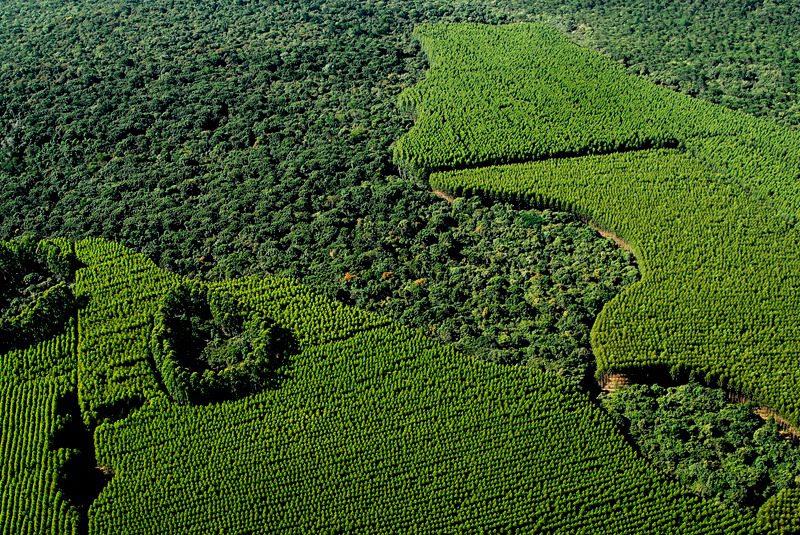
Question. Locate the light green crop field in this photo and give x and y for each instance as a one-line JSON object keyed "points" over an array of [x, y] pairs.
{"points": [[373, 427]]}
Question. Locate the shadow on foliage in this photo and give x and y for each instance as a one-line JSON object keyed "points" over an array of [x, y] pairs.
{"points": [[80, 479], [119, 409]]}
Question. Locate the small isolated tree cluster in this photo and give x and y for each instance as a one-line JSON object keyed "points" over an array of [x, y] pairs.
{"points": [[206, 350], [718, 448]]}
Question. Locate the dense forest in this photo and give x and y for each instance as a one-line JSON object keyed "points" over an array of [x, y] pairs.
{"points": [[714, 446], [256, 138], [266, 150]]}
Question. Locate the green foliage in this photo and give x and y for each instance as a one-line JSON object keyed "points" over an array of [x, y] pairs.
{"points": [[501, 284], [782, 511], [494, 97], [122, 294], [206, 143], [233, 152], [375, 428], [181, 160], [31, 383], [36, 297], [205, 350], [713, 224], [738, 53], [717, 448]]}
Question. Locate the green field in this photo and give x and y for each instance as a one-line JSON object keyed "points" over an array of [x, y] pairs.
{"points": [[372, 427]]}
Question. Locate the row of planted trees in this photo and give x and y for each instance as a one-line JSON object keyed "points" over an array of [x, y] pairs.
{"points": [[32, 458], [379, 428], [372, 426]]}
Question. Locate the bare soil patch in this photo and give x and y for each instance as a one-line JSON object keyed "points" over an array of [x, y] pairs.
{"points": [[613, 381], [443, 195], [622, 244]]}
